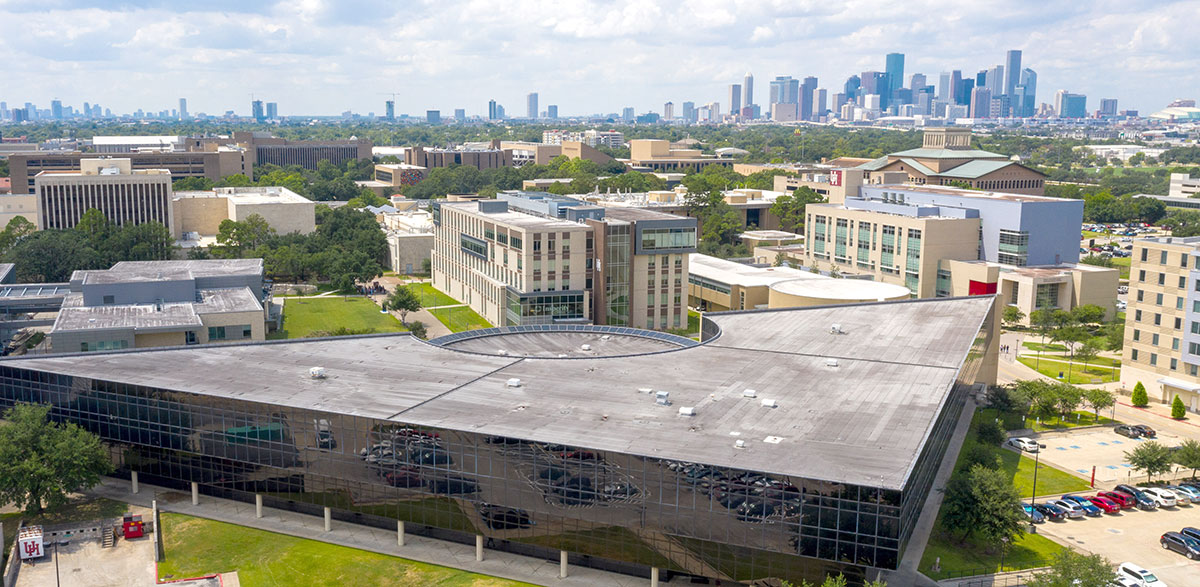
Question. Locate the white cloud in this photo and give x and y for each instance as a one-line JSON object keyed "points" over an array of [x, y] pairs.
{"points": [[326, 56]]}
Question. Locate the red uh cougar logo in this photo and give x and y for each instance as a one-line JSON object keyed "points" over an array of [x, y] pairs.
{"points": [[33, 548]]}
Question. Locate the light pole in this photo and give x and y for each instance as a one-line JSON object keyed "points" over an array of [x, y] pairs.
{"points": [[1033, 498]]}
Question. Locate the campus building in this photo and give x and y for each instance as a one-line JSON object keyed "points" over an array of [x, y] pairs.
{"points": [[531, 437], [591, 137], [265, 148], [221, 161], [661, 155], [138, 304], [112, 186], [535, 258], [1162, 320], [198, 215], [719, 285], [946, 158]]}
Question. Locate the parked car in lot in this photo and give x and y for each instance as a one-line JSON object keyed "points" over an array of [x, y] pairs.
{"points": [[1146, 431], [1050, 511], [1127, 430], [1073, 509], [1143, 577], [1190, 531], [1185, 493], [1023, 444], [1163, 497], [1126, 501], [1185, 545], [1107, 505], [1120, 581], [1088, 508], [1034, 516], [1144, 501], [404, 477]]}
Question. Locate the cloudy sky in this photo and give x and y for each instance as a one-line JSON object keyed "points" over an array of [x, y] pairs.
{"points": [[327, 56]]}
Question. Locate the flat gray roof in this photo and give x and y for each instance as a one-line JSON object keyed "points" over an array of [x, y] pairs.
{"points": [[74, 316], [561, 344], [863, 421]]}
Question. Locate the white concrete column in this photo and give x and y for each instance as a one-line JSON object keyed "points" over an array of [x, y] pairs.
{"points": [[399, 532], [653, 576], [478, 548], [258, 505], [562, 564], [328, 519], [133, 478], [195, 493]]}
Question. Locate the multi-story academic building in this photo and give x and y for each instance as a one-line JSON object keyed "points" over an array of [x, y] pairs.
{"points": [[220, 162], [112, 186], [946, 158], [534, 258]]}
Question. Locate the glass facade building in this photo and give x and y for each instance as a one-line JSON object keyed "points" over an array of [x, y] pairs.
{"points": [[625, 511]]}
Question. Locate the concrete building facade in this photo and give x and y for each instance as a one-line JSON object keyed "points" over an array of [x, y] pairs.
{"points": [[946, 158], [220, 162], [199, 214], [112, 186]]}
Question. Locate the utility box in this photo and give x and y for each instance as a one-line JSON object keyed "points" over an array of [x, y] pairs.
{"points": [[132, 526], [29, 542]]}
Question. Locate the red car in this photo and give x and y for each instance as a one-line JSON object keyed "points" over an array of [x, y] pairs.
{"points": [[1125, 500], [1109, 506]]}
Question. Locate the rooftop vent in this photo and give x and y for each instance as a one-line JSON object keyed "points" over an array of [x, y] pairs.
{"points": [[513, 382], [605, 337], [836, 329], [749, 393], [831, 362], [501, 352], [739, 444], [645, 390], [770, 403], [317, 372], [662, 398], [687, 411], [585, 347], [773, 439]]}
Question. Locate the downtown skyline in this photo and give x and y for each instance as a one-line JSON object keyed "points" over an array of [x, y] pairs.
{"points": [[323, 59]]}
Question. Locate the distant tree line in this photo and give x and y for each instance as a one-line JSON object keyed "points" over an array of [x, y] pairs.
{"points": [[95, 243]]}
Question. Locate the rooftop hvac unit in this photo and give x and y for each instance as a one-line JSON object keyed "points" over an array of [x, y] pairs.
{"points": [[645, 390], [770, 403], [585, 347], [836, 329], [662, 398], [501, 352], [317, 372], [749, 393], [513, 382], [739, 444], [831, 362], [687, 411], [605, 337]]}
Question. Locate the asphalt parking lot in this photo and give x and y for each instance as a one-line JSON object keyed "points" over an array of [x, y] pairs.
{"points": [[1132, 536], [1103, 449]]}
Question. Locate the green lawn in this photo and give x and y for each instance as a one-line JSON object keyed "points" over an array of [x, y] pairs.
{"points": [[307, 317], [1076, 419], [431, 296], [460, 318], [693, 326], [77, 510], [1051, 481], [1122, 263], [196, 547], [1076, 375], [959, 559], [1046, 348]]}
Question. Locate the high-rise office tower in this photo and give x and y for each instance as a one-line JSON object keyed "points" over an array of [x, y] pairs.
{"points": [[785, 90], [500, 112], [627, 114], [389, 109], [1012, 72], [995, 80], [735, 99], [820, 103], [272, 110], [492, 110], [981, 78], [917, 83], [852, 88], [870, 82], [981, 103], [183, 113], [56, 109], [964, 89], [894, 69], [748, 90], [460, 114], [956, 80], [1108, 107], [669, 111], [256, 110], [806, 97], [552, 111], [945, 91], [531, 105], [689, 111], [1029, 95], [433, 116]]}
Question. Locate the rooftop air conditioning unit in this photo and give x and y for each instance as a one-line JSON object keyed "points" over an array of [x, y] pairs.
{"points": [[513, 382], [317, 372], [662, 398], [739, 444], [836, 329], [831, 362], [501, 352], [687, 411], [585, 347], [749, 393], [770, 403]]}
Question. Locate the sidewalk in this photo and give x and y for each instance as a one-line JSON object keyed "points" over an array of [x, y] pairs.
{"points": [[417, 548]]}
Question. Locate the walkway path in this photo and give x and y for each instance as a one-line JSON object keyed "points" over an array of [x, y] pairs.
{"points": [[418, 548]]}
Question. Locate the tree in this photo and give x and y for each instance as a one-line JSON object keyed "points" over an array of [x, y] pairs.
{"points": [[1139, 398], [982, 502], [1151, 457], [1100, 399], [1067, 397], [1086, 353], [831, 581], [790, 207], [1114, 335], [1178, 410], [1044, 321], [237, 237], [43, 461], [989, 433], [403, 300], [1188, 455], [1088, 314], [417, 328], [16, 228], [1012, 316], [1073, 569]]}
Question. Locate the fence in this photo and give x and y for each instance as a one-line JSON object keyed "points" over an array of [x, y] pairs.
{"points": [[1009, 567], [1011, 579]]}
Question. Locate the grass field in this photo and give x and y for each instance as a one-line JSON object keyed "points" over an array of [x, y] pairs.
{"points": [[1094, 373], [460, 318], [1020, 468], [82, 510], [304, 317], [196, 547], [1122, 264], [1076, 419], [431, 296]]}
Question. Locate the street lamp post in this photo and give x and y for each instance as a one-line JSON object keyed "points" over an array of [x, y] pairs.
{"points": [[1033, 498]]}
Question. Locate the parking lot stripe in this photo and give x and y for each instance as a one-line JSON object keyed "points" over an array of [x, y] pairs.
{"points": [[1073, 446]]}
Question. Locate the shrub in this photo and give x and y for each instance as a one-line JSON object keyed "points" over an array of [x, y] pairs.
{"points": [[1178, 410], [978, 454], [1140, 398], [989, 433]]}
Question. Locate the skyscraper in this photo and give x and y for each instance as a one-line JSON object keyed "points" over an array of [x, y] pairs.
{"points": [[748, 90], [806, 97], [460, 114], [627, 114], [995, 80], [552, 111], [689, 111], [492, 110], [56, 109], [1029, 93], [894, 68], [272, 110], [785, 90], [1068, 105], [735, 99], [433, 116], [820, 103], [183, 113], [389, 109], [1108, 107], [256, 110], [956, 91], [981, 103], [918, 83], [852, 88], [1012, 72], [945, 90], [531, 105], [669, 111]]}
